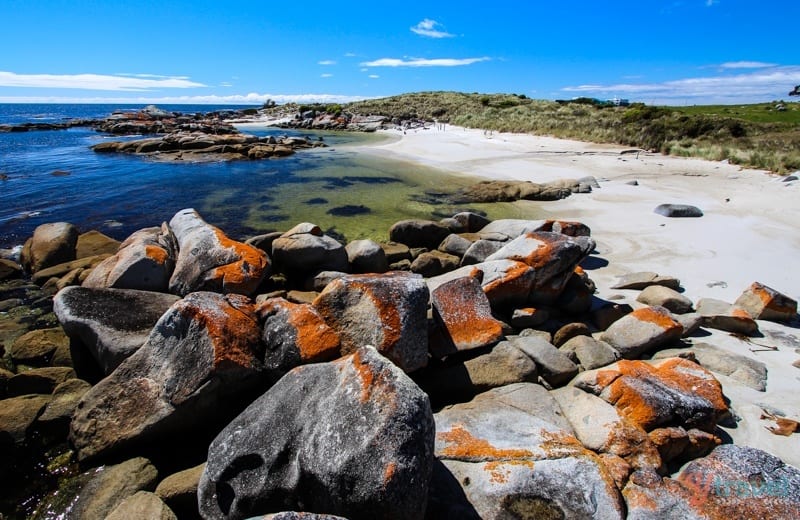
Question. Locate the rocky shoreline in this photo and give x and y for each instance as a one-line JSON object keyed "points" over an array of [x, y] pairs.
{"points": [[463, 368]]}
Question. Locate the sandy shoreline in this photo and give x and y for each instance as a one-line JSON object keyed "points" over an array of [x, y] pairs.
{"points": [[748, 233]]}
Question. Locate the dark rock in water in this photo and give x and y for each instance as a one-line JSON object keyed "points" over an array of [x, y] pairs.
{"points": [[678, 210], [353, 437], [348, 210], [60, 173], [199, 367], [387, 311], [111, 323], [51, 244], [316, 200]]}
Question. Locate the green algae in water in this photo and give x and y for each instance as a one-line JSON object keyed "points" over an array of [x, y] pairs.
{"points": [[392, 190]]}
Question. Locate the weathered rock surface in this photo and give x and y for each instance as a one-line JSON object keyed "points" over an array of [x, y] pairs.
{"points": [[305, 250], [434, 263], [509, 452], [764, 303], [418, 233], [366, 256], [93, 243], [209, 260], [353, 437], [505, 282], [509, 191], [746, 370], [387, 311], [642, 331], [678, 211], [41, 380], [590, 353], [642, 280], [9, 269], [51, 244], [201, 359], [144, 506], [111, 323], [670, 299], [670, 392], [57, 415], [464, 314], [294, 334], [480, 250], [721, 315], [553, 365], [17, 415], [37, 347], [179, 491], [144, 261]]}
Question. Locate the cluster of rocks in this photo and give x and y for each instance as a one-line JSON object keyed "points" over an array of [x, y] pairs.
{"points": [[510, 191], [32, 127], [197, 145], [313, 120], [463, 369]]}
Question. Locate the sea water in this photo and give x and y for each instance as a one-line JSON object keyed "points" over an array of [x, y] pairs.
{"points": [[54, 176]]}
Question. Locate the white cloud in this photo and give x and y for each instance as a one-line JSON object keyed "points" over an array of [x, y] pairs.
{"points": [[139, 82], [252, 98], [326, 62], [709, 3], [746, 65], [373, 76], [326, 75], [762, 85], [421, 62], [350, 54], [226, 84], [431, 29]]}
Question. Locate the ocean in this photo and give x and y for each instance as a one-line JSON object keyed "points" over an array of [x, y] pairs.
{"points": [[53, 176]]}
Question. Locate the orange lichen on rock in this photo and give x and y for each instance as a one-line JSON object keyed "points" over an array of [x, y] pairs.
{"points": [[461, 445], [232, 327], [370, 378], [498, 474], [389, 471], [245, 274], [157, 254], [514, 278], [658, 316], [316, 341]]}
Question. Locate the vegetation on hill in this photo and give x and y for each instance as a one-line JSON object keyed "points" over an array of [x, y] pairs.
{"points": [[763, 135]]}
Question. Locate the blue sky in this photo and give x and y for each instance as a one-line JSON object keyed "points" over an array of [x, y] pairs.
{"points": [[664, 52]]}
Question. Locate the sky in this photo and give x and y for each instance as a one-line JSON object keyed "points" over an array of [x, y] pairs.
{"points": [[245, 52]]}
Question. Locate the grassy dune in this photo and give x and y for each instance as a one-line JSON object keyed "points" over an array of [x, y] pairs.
{"points": [[754, 136]]}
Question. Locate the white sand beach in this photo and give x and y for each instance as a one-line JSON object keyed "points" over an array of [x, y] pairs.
{"points": [[749, 232]]}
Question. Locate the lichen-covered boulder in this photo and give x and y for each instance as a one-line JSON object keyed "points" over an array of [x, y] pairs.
{"points": [[509, 452], [144, 261], [743, 369], [765, 303], [51, 244], [200, 365], [642, 331], [294, 334], [353, 437], [644, 279], [210, 261], [669, 392], [111, 324], [387, 311], [305, 250], [464, 315], [505, 282], [721, 315]]}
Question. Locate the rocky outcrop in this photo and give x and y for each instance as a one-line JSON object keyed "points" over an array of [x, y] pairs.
{"points": [[202, 357], [386, 311], [208, 260], [505, 191], [352, 438], [111, 324]]}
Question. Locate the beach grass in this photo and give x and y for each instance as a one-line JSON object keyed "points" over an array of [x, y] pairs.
{"points": [[764, 136]]}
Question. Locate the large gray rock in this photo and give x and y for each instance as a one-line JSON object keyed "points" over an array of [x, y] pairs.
{"points": [[418, 233], [51, 244], [641, 280], [455, 245], [111, 323], [210, 261], [199, 366], [387, 311], [509, 452], [512, 228], [480, 250], [304, 250], [470, 222], [670, 299], [366, 256], [589, 352], [642, 331], [144, 261], [353, 437], [552, 364], [746, 370]]}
